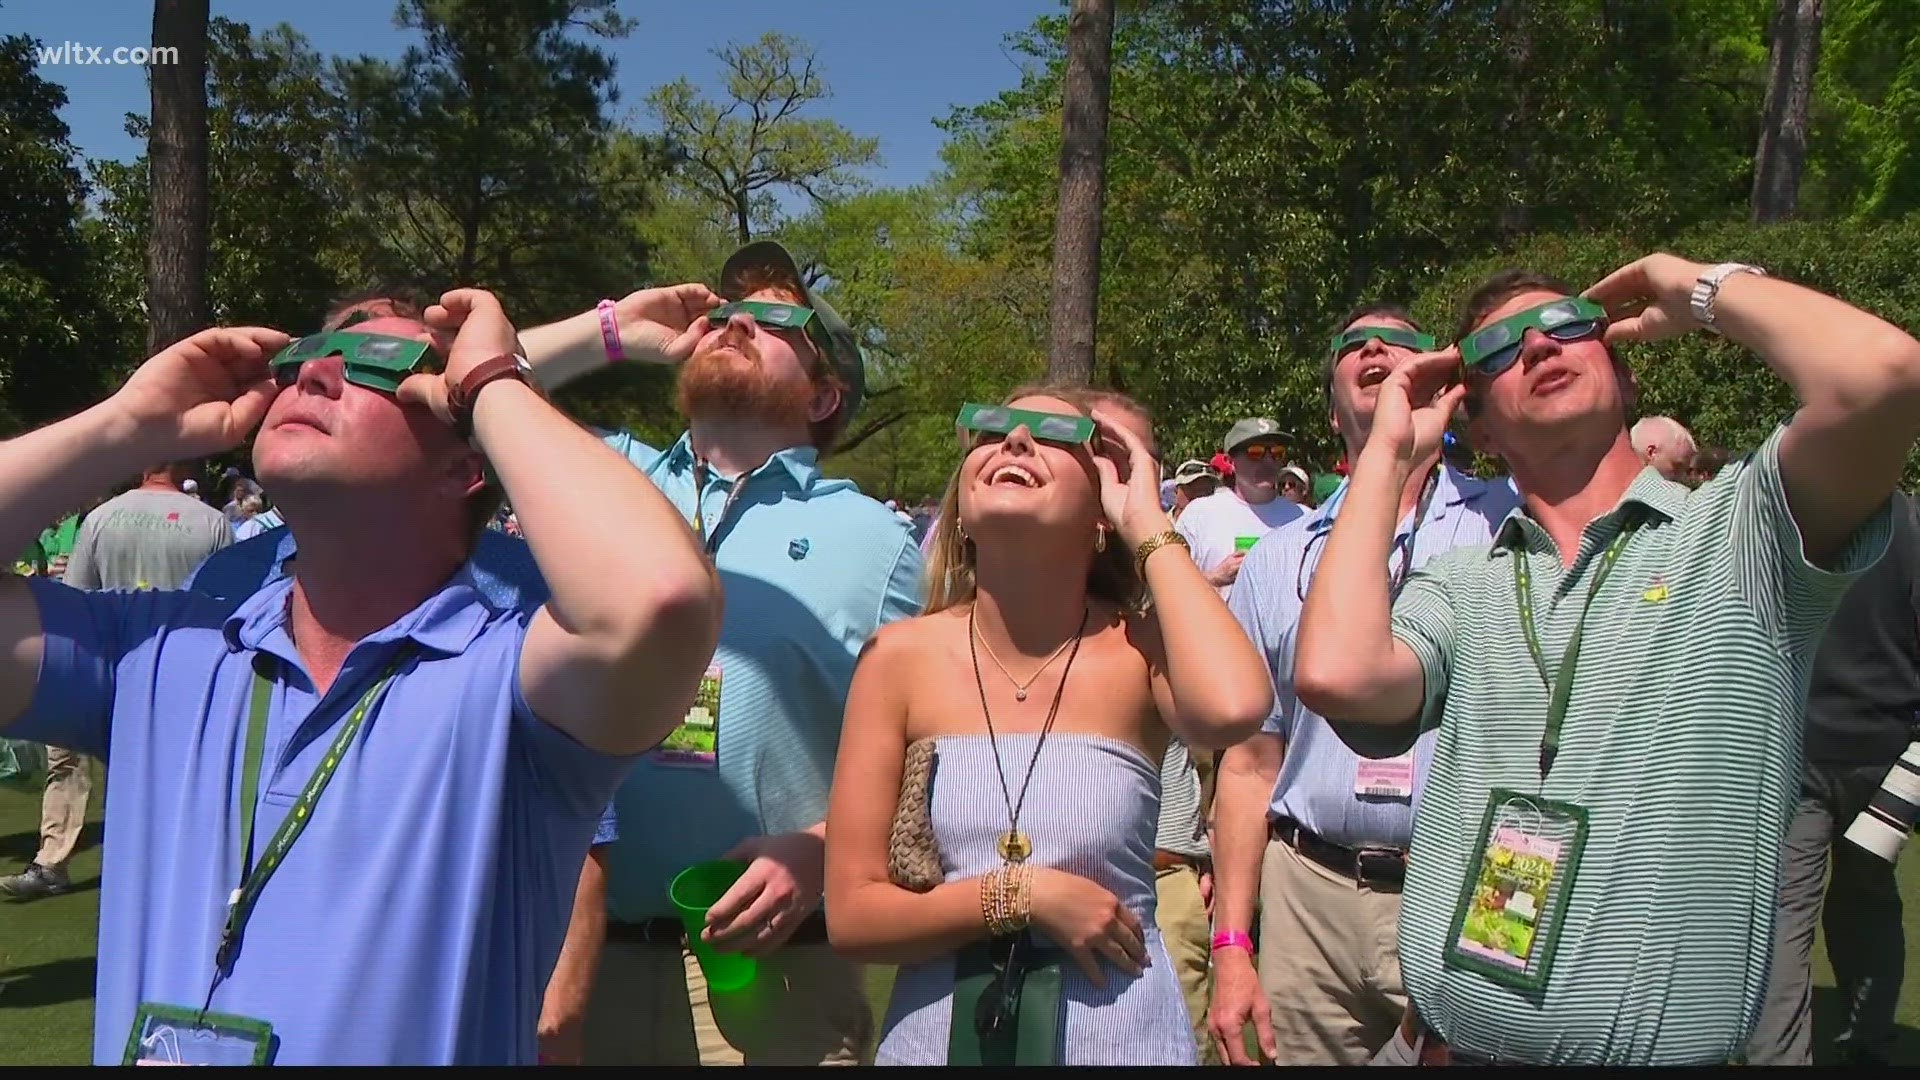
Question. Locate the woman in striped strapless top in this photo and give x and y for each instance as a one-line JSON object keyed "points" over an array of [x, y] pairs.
{"points": [[1048, 674]]}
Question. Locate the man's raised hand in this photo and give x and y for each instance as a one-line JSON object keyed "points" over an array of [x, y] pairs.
{"points": [[203, 394]]}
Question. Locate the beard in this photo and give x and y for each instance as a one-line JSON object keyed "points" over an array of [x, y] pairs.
{"points": [[722, 384]]}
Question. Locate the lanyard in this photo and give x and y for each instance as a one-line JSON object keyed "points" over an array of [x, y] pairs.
{"points": [[1401, 544], [254, 877], [1560, 689], [700, 477]]}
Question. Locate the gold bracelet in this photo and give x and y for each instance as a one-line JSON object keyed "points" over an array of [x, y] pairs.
{"points": [[1154, 543]]}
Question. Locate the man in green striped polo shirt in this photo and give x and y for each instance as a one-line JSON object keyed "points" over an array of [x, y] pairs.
{"points": [[1601, 890]]}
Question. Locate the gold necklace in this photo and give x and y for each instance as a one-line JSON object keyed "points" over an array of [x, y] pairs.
{"points": [[1020, 688]]}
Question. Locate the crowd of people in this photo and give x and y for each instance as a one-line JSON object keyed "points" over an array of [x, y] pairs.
{"points": [[1523, 735]]}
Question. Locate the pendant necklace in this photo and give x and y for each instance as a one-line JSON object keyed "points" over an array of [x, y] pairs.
{"points": [[1013, 845]]}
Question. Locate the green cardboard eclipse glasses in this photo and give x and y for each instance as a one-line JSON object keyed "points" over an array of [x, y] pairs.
{"points": [[773, 316], [1348, 340], [1493, 348], [1066, 430], [376, 361]]}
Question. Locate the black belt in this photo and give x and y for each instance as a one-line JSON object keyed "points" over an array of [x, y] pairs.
{"points": [[1382, 866], [667, 930]]}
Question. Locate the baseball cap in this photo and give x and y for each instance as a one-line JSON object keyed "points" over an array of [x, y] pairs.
{"points": [[1193, 469], [1297, 473], [1250, 429], [843, 350]]}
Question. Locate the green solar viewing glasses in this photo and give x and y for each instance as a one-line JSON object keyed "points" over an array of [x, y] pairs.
{"points": [[1493, 348], [376, 361], [773, 316], [1066, 430], [1348, 340]]}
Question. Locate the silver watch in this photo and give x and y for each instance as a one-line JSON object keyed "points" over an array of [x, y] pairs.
{"points": [[1707, 289]]}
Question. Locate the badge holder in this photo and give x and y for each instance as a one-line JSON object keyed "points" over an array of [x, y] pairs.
{"points": [[171, 1035], [1514, 902]]}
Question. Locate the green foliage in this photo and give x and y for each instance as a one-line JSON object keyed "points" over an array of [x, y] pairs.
{"points": [[276, 215], [482, 157], [736, 155], [1864, 155], [52, 333]]}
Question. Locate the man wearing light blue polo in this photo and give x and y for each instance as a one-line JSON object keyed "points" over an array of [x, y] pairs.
{"points": [[346, 810], [810, 568], [1313, 831]]}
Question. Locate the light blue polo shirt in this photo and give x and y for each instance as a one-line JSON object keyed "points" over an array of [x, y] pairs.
{"points": [[420, 913], [809, 568], [1318, 771]]}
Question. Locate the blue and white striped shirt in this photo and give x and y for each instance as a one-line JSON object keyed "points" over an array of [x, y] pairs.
{"points": [[1317, 774]]}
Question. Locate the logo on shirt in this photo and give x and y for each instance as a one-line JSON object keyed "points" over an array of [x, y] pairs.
{"points": [[173, 515], [797, 548], [1656, 591]]}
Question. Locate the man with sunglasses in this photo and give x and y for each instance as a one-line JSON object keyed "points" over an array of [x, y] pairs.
{"points": [[346, 810], [769, 376], [1308, 832], [1221, 527], [1597, 844]]}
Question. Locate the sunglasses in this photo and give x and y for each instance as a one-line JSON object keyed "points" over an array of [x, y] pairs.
{"points": [[773, 316], [990, 423], [1493, 348], [1261, 451], [999, 1004], [1349, 340], [376, 361]]}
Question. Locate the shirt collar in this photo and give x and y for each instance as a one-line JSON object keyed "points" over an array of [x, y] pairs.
{"points": [[801, 464], [1453, 488], [446, 622], [1661, 497]]}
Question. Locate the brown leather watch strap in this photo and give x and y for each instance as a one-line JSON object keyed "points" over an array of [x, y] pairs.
{"points": [[460, 395]]}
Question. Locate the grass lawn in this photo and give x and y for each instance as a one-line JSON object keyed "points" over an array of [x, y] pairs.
{"points": [[47, 953]]}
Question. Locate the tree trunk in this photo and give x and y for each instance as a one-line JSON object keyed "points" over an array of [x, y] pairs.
{"points": [[1782, 153], [1083, 177], [177, 150], [742, 217]]}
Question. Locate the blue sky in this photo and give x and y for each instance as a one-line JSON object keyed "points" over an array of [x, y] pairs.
{"points": [[894, 65]]}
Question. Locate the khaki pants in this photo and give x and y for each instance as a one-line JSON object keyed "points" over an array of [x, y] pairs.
{"points": [[63, 809], [650, 1006], [1329, 961], [1184, 926]]}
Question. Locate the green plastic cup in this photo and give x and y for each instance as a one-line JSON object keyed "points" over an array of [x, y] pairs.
{"points": [[693, 891], [1245, 543]]}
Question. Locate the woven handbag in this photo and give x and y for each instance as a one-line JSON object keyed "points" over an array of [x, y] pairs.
{"points": [[913, 855]]}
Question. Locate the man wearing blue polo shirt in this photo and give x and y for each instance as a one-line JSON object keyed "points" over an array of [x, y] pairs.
{"points": [[1310, 836], [346, 812], [810, 568]]}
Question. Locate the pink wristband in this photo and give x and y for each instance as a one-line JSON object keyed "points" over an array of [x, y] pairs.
{"points": [[1232, 939], [610, 332]]}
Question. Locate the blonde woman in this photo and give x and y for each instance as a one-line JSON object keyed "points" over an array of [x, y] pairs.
{"points": [[1047, 674]]}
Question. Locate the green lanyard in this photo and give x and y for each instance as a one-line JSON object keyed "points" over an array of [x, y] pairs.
{"points": [[254, 877], [1560, 690]]}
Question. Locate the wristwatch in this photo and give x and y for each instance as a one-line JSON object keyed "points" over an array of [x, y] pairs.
{"points": [[1707, 289], [461, 395]]}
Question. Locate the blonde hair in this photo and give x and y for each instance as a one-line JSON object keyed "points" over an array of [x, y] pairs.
{"points": [[951, 556]]}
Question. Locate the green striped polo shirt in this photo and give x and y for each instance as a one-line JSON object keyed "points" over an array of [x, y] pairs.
{"points": [[1682, 741]]}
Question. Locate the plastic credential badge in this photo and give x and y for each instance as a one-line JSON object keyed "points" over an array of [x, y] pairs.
{"points": [[695, 744], [1514, 901], [170, 1035]]}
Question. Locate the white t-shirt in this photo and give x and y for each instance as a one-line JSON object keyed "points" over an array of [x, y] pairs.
{"points": [[1215, 524]]}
